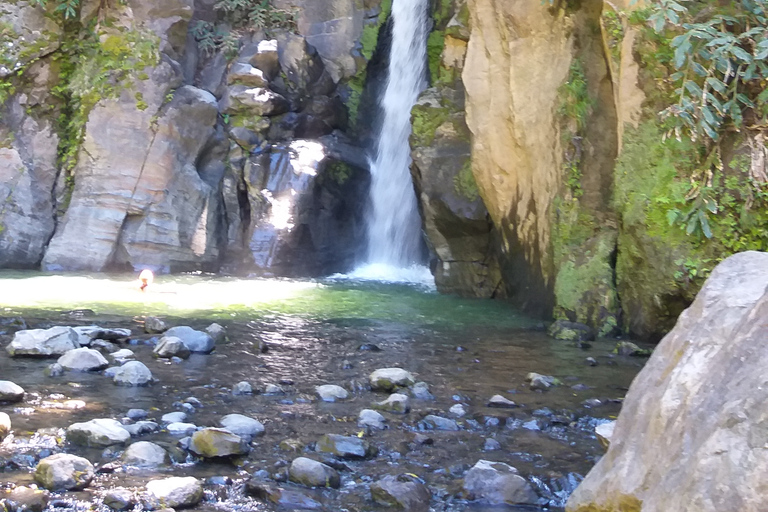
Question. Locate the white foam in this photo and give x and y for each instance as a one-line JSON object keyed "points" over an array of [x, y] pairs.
{"points": [[416, 275]]}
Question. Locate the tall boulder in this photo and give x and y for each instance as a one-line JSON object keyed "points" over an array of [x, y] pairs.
{"points": [[691, 433]]}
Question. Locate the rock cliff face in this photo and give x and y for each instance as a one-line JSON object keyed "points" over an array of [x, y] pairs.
{"points": [[691, 434]]}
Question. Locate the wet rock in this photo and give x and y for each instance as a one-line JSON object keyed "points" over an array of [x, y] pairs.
{"points": [[627, 348], [217, 333], [55, 341], [171, 346], [5, 425], [242, 426], [101, 333], [591, 361], [496, 483], [141, 427], [311, 473], [592, 403], [345, 447], [458, 410], [491, 445], [97, 433], [369, 347], [27, 499], [196, 341], [176, 492], [137, 414], [10, 391], [501, 402], [123, 354], [242, 388], [273, 389], [217, 442], [331, 393], [132, 373], [541, 382], [180, 429], [119, 498], [420, 391], [423, 440], [83, 360], [145, 455], [432, 422], [570, 331], [389, 379], [291, 500], [291, 445], [64, 472], [402, 492], [604, 433], [396, 402], [174, 417], [54, 370], [103, 346], [371, 418], [153, 325]]}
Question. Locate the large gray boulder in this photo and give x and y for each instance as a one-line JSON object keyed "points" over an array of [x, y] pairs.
{"points": [[331, 393], [256, 101], [242, 426], [55, 341], [133, 373], [217, 442], [496, 483], [145, 455], [83, 360], [171, 346], [691, 434], [345, 447], [196, 341], [177, 492], [402, 492], [98, 432], [10, 391], [64, 472], [313, 474]]}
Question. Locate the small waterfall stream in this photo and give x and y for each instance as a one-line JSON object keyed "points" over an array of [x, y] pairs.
{"points": [[393, 223]]}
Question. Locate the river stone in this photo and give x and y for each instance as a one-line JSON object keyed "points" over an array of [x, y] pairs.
{"points": [[97, 433], [10, 391], [171, 346], [290, 500], [55, 341], [604, 432], [501, 402], [396, 402], [132, 373], [174, 417], [122, 354], [345, 447], [420, 391], [5, 425], [242, 426], [177, 492], [145, 455], [27, 499], [153, 325], [217, 442], [180, 429], [496, 483], [371, 418], [119, 498], [266, 58], [432, 422], [103, 346], [541, 382], [458, 410], [402, 492], [196, 341], [83, 360], [311, 473], [217, 332], [570, 331], [64, 472], [273, 389], [141, 427], [627, 348], [242, 388], [103, 333], [331, 393], [388, 379], [691, 434], [257, 101]]}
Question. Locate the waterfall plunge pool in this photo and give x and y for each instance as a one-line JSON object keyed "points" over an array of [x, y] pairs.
{"points": [[317, 332]]}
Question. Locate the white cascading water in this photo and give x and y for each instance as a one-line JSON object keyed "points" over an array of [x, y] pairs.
{"points": [[393, 222]]}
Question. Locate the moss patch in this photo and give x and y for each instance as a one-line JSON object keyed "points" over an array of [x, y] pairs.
{"points": [[425, 120]]}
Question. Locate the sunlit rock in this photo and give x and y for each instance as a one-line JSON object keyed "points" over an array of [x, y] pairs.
{"points": [[10, 391], [145, 455], [501, 402], [242, 426], [171, 346], [217, 332], [345, 447], [496, 483], [5, 425], [153, 325], [132, 373], [311, 473], [395, 402], [604, 432], [388, 379], [177, 492], [174, 417], [83, 359], [27, 499], [97, 432], [331, 393], [217, 442], [242, 388], [432, 422], [55, 341], [64, 472], [371, 418], [196, 341], [119, 498], [402, 492]]}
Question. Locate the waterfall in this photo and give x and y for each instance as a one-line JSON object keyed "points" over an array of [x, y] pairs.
{"points": [[393, 222]]}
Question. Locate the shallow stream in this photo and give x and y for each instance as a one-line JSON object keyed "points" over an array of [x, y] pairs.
{"points": [[314, 332]]}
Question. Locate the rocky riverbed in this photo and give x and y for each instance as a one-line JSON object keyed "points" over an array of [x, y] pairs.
{"points": [[290, 411]]}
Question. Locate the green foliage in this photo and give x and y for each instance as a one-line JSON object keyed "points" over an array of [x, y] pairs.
{"points": [[425, 120], [435, 45], [614, 29], [68, 9], [575, 101], [237, 17], [339, 172], [720, 58], [464, 182]]}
